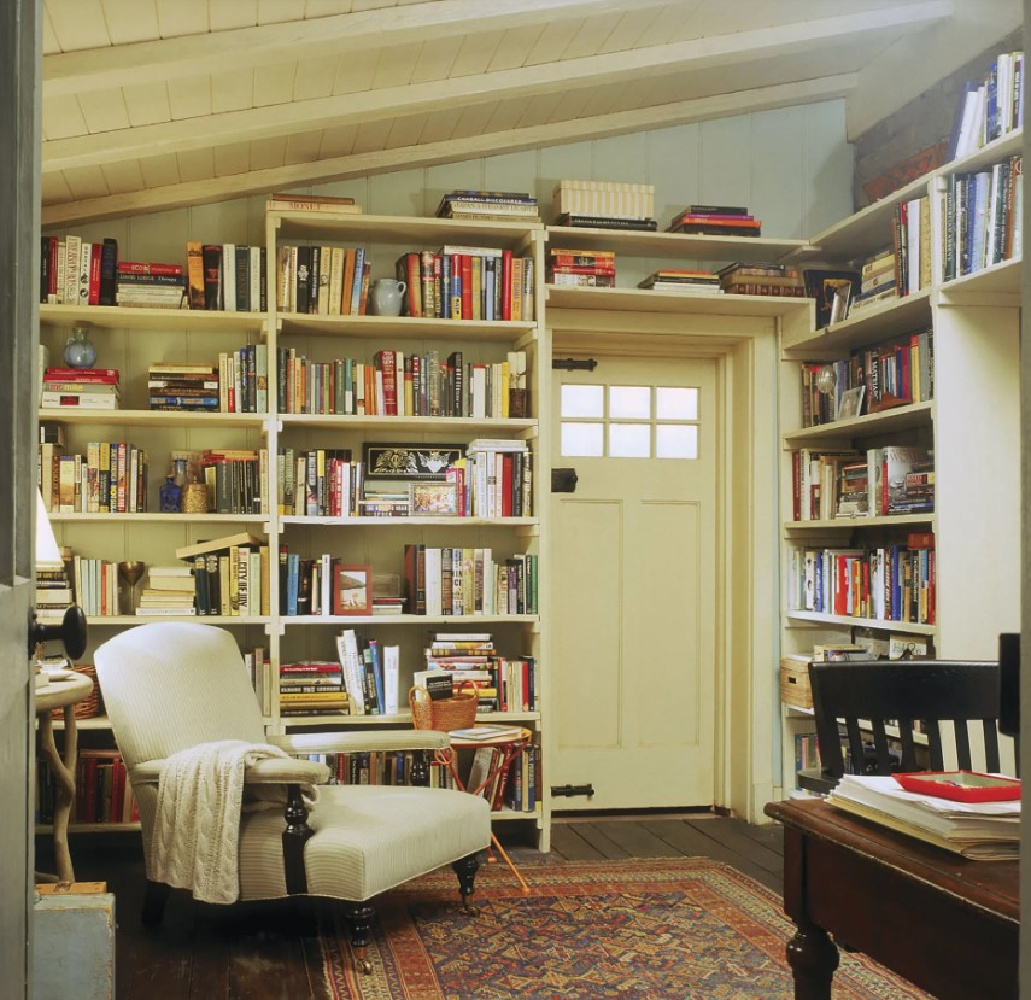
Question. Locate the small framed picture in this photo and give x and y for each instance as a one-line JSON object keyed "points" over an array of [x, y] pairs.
{"points": [[425, 462], [840, 301], [851, 404], [439, 499], [352, 590]]}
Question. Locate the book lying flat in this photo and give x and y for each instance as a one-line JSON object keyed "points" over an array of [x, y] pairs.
{"points": [[217, 544]]}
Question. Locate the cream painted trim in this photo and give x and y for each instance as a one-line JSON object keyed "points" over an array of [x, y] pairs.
{"points": [[339, 111], [445, 151], [75, 73]]}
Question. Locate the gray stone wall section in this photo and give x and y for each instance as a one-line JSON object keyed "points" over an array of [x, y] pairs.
{"points": [[921, 123]]}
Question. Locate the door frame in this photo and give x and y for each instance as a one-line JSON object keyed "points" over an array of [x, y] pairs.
{"points": [[745, 348]]}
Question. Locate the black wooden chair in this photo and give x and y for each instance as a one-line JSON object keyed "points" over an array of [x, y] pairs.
{"points": [[889, 698]]}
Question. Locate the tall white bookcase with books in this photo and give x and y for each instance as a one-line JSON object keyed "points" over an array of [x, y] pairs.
{"points": [[379, 542], [966, 314]]}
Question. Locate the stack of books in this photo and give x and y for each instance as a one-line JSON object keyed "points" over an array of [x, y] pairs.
{"points": [[878, 280], [466, 658], [778, 280], [311, 687], [988, 831], [499, 206], [604, 205], [691, 282], [174, 385], [53, 593], [593, 268], [150, 286], [169, 590], [715, 220], [86, 388], [370, 674], [288, 201]]}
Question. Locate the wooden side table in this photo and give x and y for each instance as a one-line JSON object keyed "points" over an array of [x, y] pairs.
{"points": [[64, 692]]}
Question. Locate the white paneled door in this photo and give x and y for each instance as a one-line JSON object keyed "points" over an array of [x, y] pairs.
{"points": [[19, 338], [635, 584]]}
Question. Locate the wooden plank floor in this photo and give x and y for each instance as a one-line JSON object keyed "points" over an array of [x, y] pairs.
{"points": [[270, 951]]}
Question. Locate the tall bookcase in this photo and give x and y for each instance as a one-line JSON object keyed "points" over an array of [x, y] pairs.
{"points": [[971, 425], [130, 338]]}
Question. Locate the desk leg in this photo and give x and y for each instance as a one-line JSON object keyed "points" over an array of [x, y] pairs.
{"points": [[813, 958], [64, 791]]}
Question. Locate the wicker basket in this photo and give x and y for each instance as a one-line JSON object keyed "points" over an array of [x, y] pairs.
{"points": [[444, 714], [92, 706]]}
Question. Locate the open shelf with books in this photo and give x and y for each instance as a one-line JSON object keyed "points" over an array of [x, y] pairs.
{"points": [[392, 408], [948, 347]]}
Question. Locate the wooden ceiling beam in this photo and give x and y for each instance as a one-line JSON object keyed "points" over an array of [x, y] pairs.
{"points": [[446, 151], [375, 105], [73, 73]]}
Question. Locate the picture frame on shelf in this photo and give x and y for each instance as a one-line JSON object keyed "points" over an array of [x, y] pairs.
{"points": [[352, 590], [410, 461], [434, 499], [851, 403], [821, 284]]}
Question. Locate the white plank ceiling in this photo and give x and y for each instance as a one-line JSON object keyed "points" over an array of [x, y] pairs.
{"points": [[155, 104]]}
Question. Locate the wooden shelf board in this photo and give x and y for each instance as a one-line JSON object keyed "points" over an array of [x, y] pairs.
{"points": [[526, 428], [997, 279], [817, 618], [870, 326], [150, 320], [459, 622], [168, 518], [348, 227], [886, 521], [400, 718], [100, 722], [676, 246], [897, 419], [167, 418], [404, 327], [425, 522], [643, 300], [92, 827], [1010, 144]]}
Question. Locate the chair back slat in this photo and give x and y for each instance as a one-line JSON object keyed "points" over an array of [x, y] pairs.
{"points": [[880, 692], [934, 744]]}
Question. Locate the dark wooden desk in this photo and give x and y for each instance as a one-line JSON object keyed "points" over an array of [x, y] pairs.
{"points": [[946, 924]]}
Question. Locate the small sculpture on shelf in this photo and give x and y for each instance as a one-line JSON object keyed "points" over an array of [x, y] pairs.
{"points": [[130, 573]]}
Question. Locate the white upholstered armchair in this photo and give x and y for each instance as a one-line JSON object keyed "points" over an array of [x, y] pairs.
{"points": [[174, 688]]}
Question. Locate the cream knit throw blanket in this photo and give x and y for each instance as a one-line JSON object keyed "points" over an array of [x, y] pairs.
{"points": [[195, 842]]}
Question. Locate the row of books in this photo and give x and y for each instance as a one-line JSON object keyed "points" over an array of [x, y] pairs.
{"points": [[452, 580], [383, 767], [92, 388], [102, 791], [467, 283], [577, 268], [911, 244], [110, 478], [400, 384], [225, 276], [369, 672], [881, 376], [982, 218], [502, 684], [762, 278], [715, 220], [322, 280], [506, 776], [478, 206], [887, 583], [990, 107], [846, 482], [232, 582], [237, 383], [807, 751]]}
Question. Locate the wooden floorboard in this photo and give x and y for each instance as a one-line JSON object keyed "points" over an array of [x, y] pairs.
{"points": [[270, 951]]}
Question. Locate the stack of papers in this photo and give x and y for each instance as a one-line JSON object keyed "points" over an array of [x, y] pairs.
{"points": [[987, 831]]}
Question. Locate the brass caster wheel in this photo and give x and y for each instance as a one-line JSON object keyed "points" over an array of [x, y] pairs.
{"points": [[364, 966]]}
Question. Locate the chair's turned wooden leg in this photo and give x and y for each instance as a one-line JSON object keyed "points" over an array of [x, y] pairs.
{"points": [[359, 917], [154, 903], [466, 869], [295, 836]]}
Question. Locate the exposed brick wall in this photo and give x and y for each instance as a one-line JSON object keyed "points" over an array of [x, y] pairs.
{"points": [[923, 122]]}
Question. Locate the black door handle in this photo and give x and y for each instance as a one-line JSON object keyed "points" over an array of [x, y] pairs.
{"points": [[71, 632]]}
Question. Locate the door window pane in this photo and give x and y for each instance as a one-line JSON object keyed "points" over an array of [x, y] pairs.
{"points": [[582, 401], [676, 441], [630, 440], [630, 402], [584, 439], [676, 404]]}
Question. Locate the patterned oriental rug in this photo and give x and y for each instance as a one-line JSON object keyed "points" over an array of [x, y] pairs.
{"points": [[676, 929]]}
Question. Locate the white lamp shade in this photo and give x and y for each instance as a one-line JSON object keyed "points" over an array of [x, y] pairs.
{"points": [[48, 554]]}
